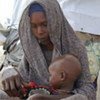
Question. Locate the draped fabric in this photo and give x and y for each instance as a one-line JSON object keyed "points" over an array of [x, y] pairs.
{"points": [[34, 65]]}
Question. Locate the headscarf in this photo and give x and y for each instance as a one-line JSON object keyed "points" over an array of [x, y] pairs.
{"points": [[63, 38], [35, 7]]}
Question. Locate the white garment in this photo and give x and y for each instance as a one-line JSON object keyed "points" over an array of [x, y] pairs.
{"points": [[2, 39]]}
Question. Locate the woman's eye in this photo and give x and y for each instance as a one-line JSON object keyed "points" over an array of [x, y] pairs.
{"points": [[44, 24]]}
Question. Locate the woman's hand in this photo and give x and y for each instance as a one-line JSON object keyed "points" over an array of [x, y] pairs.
{"points": [[11, 81]]}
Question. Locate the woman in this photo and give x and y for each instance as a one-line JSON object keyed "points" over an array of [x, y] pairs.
{"points": [[45, 34]]}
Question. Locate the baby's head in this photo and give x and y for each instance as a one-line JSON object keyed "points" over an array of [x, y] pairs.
{"points": [[64, 70]]}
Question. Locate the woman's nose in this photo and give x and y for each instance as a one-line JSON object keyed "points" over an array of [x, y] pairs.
{"points": [[39, 30]]}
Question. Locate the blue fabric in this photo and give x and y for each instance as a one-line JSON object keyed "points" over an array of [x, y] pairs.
{"points": [[35, 7]]}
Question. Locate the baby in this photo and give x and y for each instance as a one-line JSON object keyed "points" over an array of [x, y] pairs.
{"points": [[64, 71]]}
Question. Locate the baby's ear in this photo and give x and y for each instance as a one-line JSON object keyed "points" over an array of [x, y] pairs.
{"points": [[63, 76]]}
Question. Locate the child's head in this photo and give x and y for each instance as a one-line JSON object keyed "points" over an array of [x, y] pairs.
{"points": [[64, 70]]}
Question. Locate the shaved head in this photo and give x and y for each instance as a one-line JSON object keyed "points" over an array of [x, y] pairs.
{"points": [[68, 64]]}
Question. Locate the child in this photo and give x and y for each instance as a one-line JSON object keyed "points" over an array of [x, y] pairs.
{"points": [[64, 71]]}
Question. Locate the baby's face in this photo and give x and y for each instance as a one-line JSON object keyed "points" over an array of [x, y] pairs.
{"points": [[55, 77]]}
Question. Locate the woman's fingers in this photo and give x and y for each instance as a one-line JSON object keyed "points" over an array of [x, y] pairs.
{"points": [[11, 81], [18, 82], [13, 88], [6, 87], [11, 85]]}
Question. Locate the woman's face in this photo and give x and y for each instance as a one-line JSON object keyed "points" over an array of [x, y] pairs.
{"points": [[39, 26]]}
